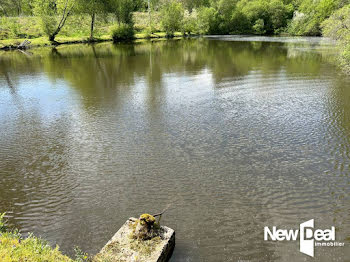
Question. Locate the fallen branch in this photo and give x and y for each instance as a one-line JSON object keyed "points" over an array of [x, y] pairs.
{"points": [[24, 44], [161, 213]]}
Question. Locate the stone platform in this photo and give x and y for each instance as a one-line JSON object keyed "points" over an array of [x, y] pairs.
{"points": [[125, 247]]}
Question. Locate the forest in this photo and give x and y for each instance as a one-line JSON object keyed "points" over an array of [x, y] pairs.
{"points": [[123, 19]]}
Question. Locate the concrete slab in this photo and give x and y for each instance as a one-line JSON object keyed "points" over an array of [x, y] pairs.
{"points": [[125, 247]]}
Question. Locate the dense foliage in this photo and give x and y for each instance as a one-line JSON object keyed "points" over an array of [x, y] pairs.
{"points": [[122, 32], [295, 17], [172, 16], [260, 17], [338, 28]]}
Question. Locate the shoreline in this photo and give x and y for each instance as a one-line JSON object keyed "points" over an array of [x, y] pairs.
{"points": [[14, 44]]}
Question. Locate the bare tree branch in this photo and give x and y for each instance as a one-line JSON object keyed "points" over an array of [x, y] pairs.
{"points": [[161, 213]]}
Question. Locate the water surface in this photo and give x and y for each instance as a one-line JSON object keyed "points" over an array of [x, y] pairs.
{"points": [[237, 133]]}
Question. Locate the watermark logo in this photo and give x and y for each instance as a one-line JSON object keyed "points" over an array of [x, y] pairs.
{"points": [[308, 236]]}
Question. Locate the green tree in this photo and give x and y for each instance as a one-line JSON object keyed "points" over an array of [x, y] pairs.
{"points": [[11, 7], [310, 15], [337, 26], [92, 8], [123, 10], [259, 27], [191, 4], [257, 14], [240, 23], [53, 14], [263, 16], [206, 20], [172, 15], [279, 14], [190, 22], [225, 9], [151, 6]]}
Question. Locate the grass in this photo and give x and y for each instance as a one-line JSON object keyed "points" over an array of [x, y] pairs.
{"points": [[14, 30], [15, 248]]}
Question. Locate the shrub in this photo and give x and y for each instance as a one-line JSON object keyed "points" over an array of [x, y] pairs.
{"points": [[122, 32], [172, 15], [225, 8], [258, 27], [147, 32]]}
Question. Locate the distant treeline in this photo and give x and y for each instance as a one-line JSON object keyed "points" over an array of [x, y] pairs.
{"points": [[260, 17]]}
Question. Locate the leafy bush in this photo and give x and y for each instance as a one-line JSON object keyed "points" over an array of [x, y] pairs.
{"points": [[122, 32], [258, 27], [172, 15], [147, 32]]}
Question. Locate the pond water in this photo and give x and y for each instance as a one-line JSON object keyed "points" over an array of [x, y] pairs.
{"points": [[236, 133]]}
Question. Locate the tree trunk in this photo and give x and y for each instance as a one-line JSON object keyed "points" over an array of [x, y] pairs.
{"points": [[52, 37], [60, 24], [149, 15], [92, 26], [3, 10], [19, 7]]}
